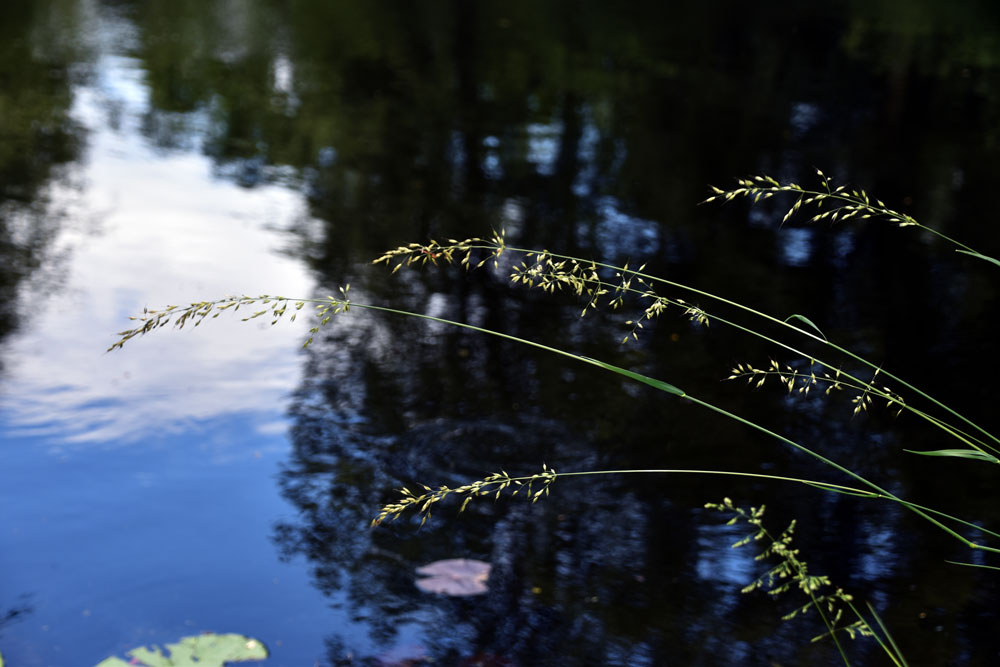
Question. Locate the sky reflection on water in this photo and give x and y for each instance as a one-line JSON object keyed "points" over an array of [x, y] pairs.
{"points": [[153, 229], [118, 467], [224, 479]]}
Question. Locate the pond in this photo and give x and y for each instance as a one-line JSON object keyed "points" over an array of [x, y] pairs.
{"points": [[223, 478]]}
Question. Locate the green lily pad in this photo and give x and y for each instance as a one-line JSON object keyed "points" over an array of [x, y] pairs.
{"points": [[206, 650]]}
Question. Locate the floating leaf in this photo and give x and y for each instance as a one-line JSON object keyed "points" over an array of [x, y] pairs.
{"points": [[959, 453], [455, 576], [207, 650]]}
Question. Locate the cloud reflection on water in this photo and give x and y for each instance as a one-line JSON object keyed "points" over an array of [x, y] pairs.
{"points": [[162, 232]]}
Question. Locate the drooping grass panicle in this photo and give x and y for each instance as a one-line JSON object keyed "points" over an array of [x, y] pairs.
{"points": [[554, 272], [604, 285], [447, 253], [489, 485], [273, 307], [325, 308], [557, 273], [801, 382], [594, 280], [494, 248], [789, 571], [831, 202], [495, 484]]}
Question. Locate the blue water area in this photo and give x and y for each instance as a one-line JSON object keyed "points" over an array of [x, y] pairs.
{"points": [[224, 477], [129, 546]]}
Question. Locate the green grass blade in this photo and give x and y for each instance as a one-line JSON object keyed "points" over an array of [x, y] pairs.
{"points": [[645, 379], [973, 253], [984, 567], [803, 318], [895, 654], [958, 454]]}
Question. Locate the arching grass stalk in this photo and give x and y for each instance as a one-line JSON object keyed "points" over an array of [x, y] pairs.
{"points": [[791, 569], [829, 605], [537, 485], [495, 483], [552, 272], [846, 203], [276, 307], [560, 271], [584, 281]]}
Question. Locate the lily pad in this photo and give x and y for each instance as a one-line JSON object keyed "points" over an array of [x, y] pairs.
{"points": [[455, 576], [206, 650]]}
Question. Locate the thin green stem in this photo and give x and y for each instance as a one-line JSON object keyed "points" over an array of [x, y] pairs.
{"points": [[752, 311], [837, 466], [896, 216], [837, 488], [984, 567], [855, 383], [830, 629], [968, 440], [197, 312], [891, 650], [826, 486], [705, 404]]}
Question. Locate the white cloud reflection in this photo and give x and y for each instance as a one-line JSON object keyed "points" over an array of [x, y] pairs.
{"points": [[167, 233]]}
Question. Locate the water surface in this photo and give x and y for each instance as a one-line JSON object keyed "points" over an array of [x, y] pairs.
{"points": [[223, 478]]}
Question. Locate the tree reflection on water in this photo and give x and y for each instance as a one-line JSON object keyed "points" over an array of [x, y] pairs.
{"points": [[38, 141], [589, 129], [616, 571]]}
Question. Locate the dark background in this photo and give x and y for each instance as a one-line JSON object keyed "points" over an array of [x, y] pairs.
{"points": [[592, 129]]}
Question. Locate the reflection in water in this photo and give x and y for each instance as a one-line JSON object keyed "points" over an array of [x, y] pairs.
{"points": [[218, 130], [604, 572], [38, 139], [15, 613], [150, 248], [623, 576]]}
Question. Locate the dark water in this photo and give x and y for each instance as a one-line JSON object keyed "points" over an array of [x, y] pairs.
{"points": [[223, 480]]}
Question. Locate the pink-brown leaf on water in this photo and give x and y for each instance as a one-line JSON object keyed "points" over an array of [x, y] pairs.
{"points": [[454, 576]]}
